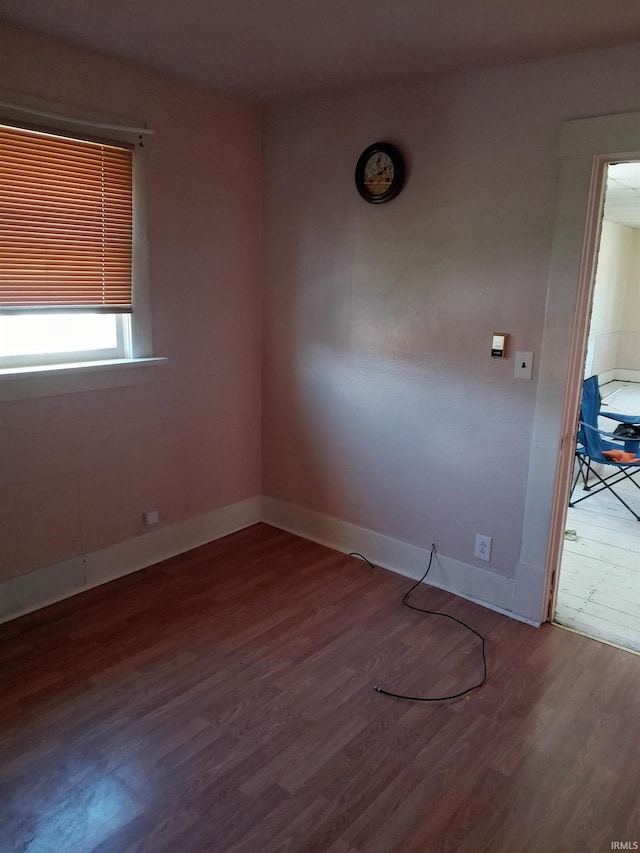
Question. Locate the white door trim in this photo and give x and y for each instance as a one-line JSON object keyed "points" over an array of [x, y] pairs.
{"points": [[585, 148]]}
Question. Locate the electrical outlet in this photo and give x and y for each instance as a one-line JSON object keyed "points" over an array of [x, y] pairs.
{"points": [[483, 547], [151, 516]]}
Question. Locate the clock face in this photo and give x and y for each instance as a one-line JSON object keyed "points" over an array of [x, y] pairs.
{"points": [[379, 173]]}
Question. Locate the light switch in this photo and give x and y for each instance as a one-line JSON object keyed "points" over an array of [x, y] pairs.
{"points": [[524, 365]]}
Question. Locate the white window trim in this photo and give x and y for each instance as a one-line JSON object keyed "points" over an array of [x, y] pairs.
{"points": [[21, 383], [14, 108]]}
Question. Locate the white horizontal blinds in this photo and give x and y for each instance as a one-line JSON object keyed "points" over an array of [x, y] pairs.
{"points": [[65, 223]]}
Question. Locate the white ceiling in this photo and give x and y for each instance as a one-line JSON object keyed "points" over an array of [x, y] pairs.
{"points": [[622, 199], [266, 49]]}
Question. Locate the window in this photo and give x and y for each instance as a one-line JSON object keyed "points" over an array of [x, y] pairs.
{"points": [[66, 248]]}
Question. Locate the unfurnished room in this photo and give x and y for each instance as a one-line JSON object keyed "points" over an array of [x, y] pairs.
{"points": [[319, 426]]}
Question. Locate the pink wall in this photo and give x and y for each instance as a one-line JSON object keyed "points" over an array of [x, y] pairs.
{"points": [[381, 404], [77, 471]]}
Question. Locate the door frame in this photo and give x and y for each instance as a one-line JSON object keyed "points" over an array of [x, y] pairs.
{"points": [[585, 148], [575, 376]]}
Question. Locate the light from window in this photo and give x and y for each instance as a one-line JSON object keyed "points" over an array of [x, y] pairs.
{"points": [[21, 334]]}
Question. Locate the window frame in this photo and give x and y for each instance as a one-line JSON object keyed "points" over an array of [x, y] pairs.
{"points": [[134, 329]]}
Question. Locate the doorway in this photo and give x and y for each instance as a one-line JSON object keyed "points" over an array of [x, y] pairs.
{"points": [[598, 587], [585, 148]]}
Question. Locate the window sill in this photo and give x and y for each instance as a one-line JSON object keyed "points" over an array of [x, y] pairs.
{"points": [[19, 383]]}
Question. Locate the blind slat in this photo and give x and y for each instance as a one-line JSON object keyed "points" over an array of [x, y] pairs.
{"points": [[65, 222]]}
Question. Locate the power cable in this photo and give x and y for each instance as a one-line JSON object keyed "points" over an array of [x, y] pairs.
{"points": [[432, 613]]}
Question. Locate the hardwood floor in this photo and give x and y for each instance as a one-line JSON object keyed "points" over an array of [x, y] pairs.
{"points": [[224, 701], [599, 582]]}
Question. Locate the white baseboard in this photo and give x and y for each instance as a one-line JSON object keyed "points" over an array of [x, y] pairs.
{"points": [[529, 600], [626, 375], [618, 374], [482, 586], [606, 377], [45, 586], [510, 596]]}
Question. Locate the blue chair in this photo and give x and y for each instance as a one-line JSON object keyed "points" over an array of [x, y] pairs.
{"points": [[592, 441]]}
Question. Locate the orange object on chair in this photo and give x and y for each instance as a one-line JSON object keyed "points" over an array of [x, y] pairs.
{"points": [[620, 456]]}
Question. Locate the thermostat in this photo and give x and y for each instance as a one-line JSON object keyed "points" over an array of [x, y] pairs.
{"points": [[499, 345]]}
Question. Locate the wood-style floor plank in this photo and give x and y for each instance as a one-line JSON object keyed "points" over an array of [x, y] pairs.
{"points": [[223, 701]]}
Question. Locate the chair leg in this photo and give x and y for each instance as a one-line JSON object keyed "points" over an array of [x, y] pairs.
{"points": [[630, 477], [584, 469], [577, 477], [604, 483]]}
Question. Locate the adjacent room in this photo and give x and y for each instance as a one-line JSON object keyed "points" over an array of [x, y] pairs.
{"points": [[294, 312], [599, 586]]}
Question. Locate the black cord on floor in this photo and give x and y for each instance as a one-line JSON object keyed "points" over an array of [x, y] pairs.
{"points": [[362, 557], [432, 613]]}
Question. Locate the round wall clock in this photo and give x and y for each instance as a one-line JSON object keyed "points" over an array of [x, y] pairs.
{"points": [[379, 173]]}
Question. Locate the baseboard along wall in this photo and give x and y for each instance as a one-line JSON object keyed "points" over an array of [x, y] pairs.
{"points": [[45, 586]]}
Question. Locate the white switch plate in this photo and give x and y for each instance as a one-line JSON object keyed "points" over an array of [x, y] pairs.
{"points": [[151, 516], [524, 365]]}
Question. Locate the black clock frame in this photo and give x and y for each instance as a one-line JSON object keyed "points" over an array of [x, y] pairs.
{"points": [[398, 172]]}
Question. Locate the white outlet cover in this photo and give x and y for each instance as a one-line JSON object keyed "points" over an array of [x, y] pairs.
{"points": [[483, 547]]}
